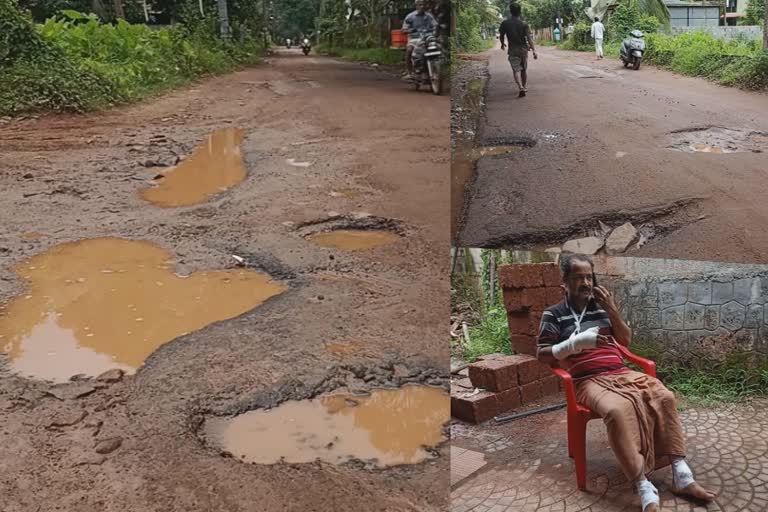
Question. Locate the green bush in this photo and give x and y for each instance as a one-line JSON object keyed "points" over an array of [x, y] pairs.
{"points": [[626, 18], [76, 63]]}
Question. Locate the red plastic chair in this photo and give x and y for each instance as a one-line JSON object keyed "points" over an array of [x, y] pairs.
{"points": [[579, 415]]}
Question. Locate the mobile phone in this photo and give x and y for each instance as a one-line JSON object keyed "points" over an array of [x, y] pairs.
{"points": [[594, 279]]}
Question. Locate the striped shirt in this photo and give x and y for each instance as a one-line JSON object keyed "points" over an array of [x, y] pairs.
{"points": [[557, 325]]}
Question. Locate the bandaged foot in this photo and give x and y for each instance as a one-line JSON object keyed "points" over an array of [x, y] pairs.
{"points": [[575, 344], [649, 495], [685, 485]]}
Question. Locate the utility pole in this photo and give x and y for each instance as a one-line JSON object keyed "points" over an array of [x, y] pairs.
{"points": [[223, 19], [765, 27]]}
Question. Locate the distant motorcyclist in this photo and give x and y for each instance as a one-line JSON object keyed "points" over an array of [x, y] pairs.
{"points": [[415, 24]]}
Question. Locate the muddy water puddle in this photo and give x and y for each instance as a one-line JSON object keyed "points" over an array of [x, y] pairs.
{"points": [[387, 428], [719, 141], [214, 166], [109, 303], [354, 239], [463, 163]]}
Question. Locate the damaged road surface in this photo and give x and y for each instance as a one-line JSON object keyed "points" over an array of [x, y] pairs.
{"points": [[141, 293], [685, 161]]}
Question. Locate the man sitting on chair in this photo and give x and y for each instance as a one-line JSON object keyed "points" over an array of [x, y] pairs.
{"points": [[644, 430]]}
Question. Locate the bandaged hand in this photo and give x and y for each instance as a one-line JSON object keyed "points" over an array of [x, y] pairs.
{"points": [[575, 344]]}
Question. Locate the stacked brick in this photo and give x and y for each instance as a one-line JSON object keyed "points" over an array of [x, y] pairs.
{"points": [[509, 382], [528, 290]]}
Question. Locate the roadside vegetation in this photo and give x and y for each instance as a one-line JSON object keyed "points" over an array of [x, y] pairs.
{"points": [[477, 22], [738, 63], [76, 62], [383, 56]]}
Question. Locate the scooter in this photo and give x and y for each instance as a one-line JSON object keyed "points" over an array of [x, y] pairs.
{"points": [[306, 46], [632, 49], [288, 44], [427, 59]]}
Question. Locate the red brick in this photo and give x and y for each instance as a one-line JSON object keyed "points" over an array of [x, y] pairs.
{"points": [[530, 392], [508, 400], [550, 385], [554, 295], [474, 409], [526, 275], [551, 274], [524, 323], [523, 344], [495, 355], [494, 374], [515, 301], [528, 369]]}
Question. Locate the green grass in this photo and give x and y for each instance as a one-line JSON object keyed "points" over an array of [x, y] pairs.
{"points": [[490, 336], [382, 56], [736, 63], [75, 63]]}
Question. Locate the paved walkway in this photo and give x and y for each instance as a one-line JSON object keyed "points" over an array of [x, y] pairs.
{"points": [[526, 466]]}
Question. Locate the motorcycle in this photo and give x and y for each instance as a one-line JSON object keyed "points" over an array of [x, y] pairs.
{"points": [[306, 46], [427, 58], [288, 44], [632, 49]]}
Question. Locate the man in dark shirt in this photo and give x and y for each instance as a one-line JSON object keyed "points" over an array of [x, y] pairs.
{"points": [[518, 34], [644, 431]]}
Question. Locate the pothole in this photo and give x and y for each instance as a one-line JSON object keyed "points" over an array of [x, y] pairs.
{"points": [[652, 223], [352, 233], [718, 140], [464, 159], [386, 428], [105, 303], [214, 166]]}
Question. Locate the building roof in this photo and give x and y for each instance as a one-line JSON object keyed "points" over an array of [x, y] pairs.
{"points": [[680, 3]]}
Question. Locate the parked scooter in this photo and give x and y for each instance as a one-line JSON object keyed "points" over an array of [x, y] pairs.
{"points": [[306, 46], [632, 49], [427, 59]]}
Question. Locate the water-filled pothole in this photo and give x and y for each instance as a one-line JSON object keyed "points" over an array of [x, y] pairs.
{"points": [[344, 348], [214, 166], [718, 140], [109, 303], [389, 427], [352, 233]]}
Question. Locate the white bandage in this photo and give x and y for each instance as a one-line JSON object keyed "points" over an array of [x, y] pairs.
{"points": [[575, 344], [647, 492], [683, 473]]}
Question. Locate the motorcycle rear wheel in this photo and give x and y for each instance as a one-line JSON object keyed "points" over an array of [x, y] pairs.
{"points": [[636, 64]]}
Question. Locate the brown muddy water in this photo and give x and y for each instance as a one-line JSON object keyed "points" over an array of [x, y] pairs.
{"points": [[389, 427], [463, 164], [109, 303], [353, 239], [214, 166]]}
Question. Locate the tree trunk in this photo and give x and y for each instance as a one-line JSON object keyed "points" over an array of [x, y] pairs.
{"points": [[118, 7], [765, 27], [223, 19]]}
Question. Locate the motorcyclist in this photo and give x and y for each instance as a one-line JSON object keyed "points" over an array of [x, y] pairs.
{"points": [[415, 24]]}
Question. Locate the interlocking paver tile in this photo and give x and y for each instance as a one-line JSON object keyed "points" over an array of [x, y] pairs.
{"points": [[528, 468]]}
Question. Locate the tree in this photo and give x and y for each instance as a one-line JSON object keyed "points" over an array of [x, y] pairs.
{"points": [[765, 26]]}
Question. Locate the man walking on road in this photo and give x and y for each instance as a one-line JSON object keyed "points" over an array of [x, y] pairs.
{"points": [[518, 35], [598, 30]]}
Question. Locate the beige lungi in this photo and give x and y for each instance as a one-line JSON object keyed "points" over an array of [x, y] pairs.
{"points": [[644, 429]]}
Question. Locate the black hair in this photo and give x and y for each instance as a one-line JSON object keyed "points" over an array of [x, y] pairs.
{"points": [[597, 19], [566, 262], [514, 9]]}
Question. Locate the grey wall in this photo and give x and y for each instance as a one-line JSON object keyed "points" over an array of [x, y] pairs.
{"points": [[735, 32], [697, 320]]}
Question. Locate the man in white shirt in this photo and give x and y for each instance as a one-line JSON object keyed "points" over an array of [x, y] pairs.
{"points": [[598, 30]]}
